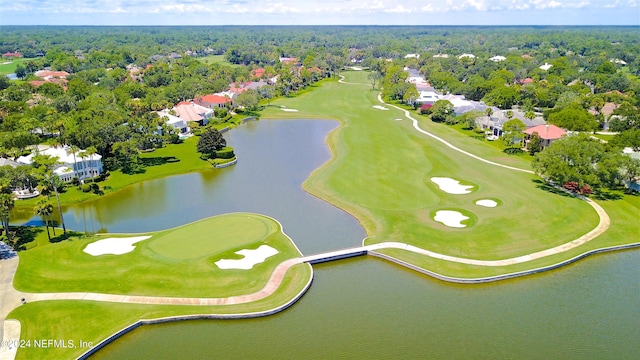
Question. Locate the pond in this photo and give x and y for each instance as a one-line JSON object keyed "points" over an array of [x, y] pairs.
{"points": [[364, 308]]}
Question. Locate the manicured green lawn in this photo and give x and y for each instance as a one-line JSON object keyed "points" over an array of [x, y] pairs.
{"points": [[170, 160], [219, 59], [176, 262], [9, 66], [381, 174], [92, 321]]}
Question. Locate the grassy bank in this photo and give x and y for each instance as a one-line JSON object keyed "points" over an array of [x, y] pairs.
{"points": [[381, 174], [176, 262]]}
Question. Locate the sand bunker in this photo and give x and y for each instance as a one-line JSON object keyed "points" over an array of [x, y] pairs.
{"points": [[290, 110], [450, 218], [487, 203], [251, 257], [114, 246], [379, 107], [451, 186], [398, 119]]}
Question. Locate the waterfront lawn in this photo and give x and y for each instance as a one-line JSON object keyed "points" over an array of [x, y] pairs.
{"points": [[381, 174], [177, 262], [172, 159], [92, 321], [10, 68]]}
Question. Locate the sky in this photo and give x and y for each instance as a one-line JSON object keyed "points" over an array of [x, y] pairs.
{"points": [[320, 12]]}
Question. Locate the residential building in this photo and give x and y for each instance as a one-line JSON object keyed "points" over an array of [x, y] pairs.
{"points": [[213, 100], [548, 133], [69, 165], [498, 58]]}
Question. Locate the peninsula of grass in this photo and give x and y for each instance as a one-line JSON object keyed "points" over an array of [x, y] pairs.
{"points": [[178, 262], [380, 173], [92, 321]]}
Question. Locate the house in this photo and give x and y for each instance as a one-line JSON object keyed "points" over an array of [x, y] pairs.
{"points": [[11, 55], [618, 61], [412, 56], [470, 56], [427, 97], [173, 121], [498, 58], [49, 74], [527, 81], [548, 133], [288, 60], [546, 66], [498, 118], [189, 111], [257, 73], [444, 56], [213, 100], [7, 162], [70, 165]]}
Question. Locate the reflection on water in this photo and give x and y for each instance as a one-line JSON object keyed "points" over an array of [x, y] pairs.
{"points": [[366, 308], [275, 157]]}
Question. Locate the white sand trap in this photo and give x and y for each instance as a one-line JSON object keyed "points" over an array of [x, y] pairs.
{"points": [[251, 257], [290, 110], [451, 186], [487, 203], [114, 246], [450, 218], [398, 119], [379, 107]]}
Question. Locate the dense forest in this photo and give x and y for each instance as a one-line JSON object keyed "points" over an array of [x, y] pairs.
{"points": [[118, 78]]}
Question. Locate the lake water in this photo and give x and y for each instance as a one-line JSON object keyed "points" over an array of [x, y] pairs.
{"points": [[364, 308]]}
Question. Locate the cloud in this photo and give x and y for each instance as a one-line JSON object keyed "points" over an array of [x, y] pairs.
{"points": [[461, 12]]}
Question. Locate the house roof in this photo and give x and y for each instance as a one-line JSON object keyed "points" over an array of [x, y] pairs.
{"points": [[546, 66], [257, 72], [61, 154], [547, 132], [526, 81], [8, 162], [214, 99], [498, 58], [51, 74], [191, 112]]}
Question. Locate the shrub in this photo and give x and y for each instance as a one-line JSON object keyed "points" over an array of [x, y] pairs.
{"points": [[85, 188], [225, 153]]}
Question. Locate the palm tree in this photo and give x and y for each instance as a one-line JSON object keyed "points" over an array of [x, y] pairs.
{"points": [[73, 150], [88, 153], [6, 205], [56, 183], [45, 209]]}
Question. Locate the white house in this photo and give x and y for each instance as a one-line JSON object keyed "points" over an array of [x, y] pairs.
{"points": [[173, 121], [471, 56], [546, 66], [427, 97], [410, 56], [70, 165], [498, 58]]}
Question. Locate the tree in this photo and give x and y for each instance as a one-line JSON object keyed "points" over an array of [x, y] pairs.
{"points": [[45, 165], [210, 141], [374, 77], [573, 158], [574, 118], [6, 205], [513, 131], [535, 144], [44, 209], [248, 100], [126, 155], [630, 169], [441, 110], [21, 71]]}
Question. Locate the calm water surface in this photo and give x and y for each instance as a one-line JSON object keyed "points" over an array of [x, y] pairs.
{"points": [[365, 308]]}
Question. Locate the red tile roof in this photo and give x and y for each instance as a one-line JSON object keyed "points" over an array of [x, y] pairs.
{"points": [[547, 132], [526, 81], [257, 73], [214, 99]]}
